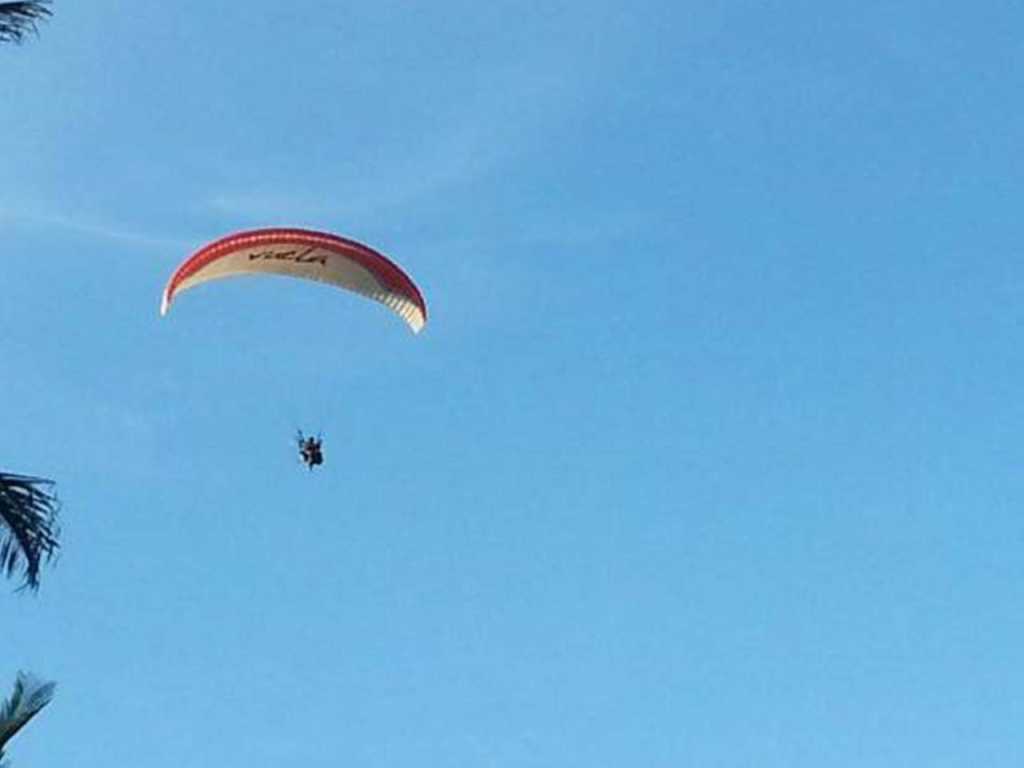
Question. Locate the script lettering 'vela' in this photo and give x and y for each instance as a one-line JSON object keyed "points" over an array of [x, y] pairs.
{"points": [[306, 256]]}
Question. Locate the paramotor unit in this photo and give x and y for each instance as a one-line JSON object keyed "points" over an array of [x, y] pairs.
{"points": [[308, 255], [310, 450]]}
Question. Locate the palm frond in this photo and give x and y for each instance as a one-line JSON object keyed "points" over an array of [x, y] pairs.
{"points": [[29, 529], [29, 697], [18, 19]]}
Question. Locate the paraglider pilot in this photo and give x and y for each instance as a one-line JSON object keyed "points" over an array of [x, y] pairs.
{"points": [[310, 450]]}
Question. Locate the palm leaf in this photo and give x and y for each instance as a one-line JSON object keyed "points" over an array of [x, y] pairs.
{"points": [[18, 19], [29, 529], [29, 697]]}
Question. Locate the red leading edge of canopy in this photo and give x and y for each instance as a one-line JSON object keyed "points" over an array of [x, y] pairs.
{"points": [[380, 266]]}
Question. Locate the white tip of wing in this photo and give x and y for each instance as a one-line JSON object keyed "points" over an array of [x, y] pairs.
{"points": [[413, 316]]}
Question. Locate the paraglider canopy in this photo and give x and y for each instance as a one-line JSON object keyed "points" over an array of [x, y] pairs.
{"points": [[304, 254]]}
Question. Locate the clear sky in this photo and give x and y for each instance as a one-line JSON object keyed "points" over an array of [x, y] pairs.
{"points": [[710, 455]]}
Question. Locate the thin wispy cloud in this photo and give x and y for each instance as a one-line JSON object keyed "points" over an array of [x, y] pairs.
{"points": [[32, 216]]}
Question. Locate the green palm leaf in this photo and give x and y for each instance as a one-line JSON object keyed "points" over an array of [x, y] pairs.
{"points": [[18, 19], [29, 697], [29, 529]]}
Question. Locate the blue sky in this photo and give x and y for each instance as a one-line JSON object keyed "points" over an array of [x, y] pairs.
{"points": [[709, 455]]}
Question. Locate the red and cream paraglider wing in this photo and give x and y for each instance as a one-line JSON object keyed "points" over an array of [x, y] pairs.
{"points": [[304, 254]]}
